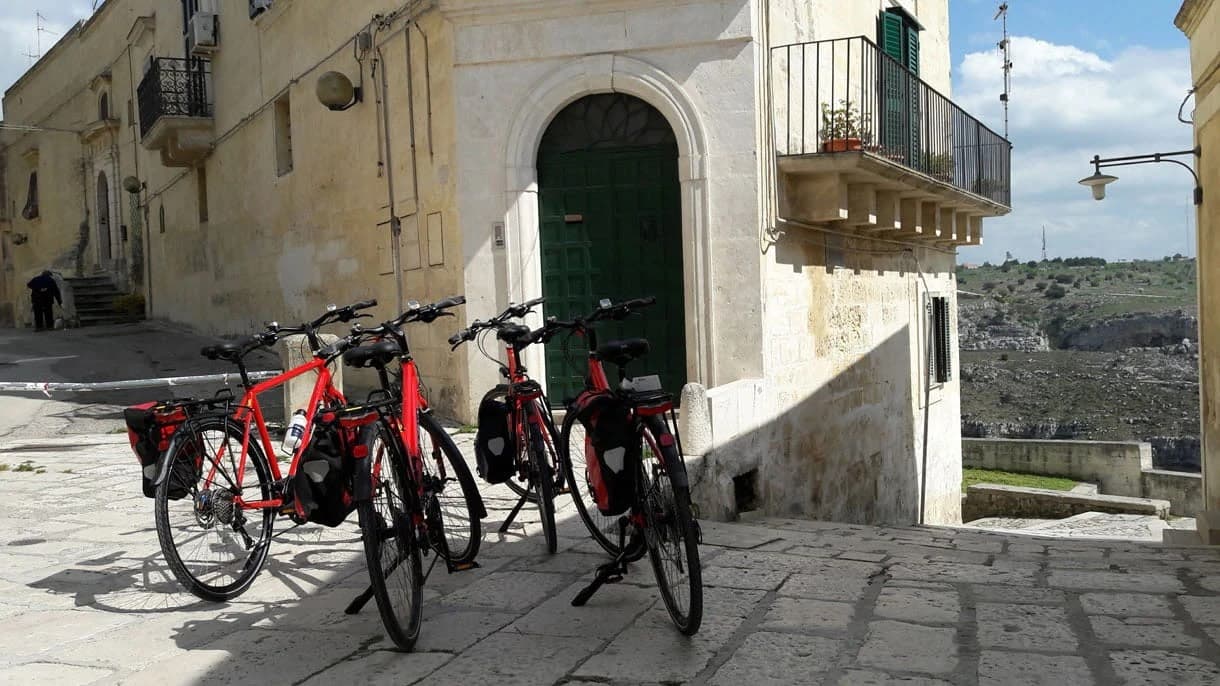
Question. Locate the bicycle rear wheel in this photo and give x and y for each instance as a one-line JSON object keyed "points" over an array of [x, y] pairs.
{"points": [[214, 548], [542, 480], [670, 531], [457, 497], [388, 531]]}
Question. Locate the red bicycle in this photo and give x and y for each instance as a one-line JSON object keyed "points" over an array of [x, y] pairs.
{"points": [[531, 465], [415, 492], [217, 491], [656, 519]]}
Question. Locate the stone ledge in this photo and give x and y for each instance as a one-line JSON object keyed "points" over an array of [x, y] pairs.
{"points": [[990, 500]]}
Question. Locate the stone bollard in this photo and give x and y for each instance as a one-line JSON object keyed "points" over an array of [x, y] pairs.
{"points": [[294, 351], [695, 422]]}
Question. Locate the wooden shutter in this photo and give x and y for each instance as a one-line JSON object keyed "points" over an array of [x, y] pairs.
{"points": [[943, 353], [890, 37], [912, 52]]}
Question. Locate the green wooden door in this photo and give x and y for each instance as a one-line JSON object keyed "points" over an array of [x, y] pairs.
{"points": [[611, 227]]}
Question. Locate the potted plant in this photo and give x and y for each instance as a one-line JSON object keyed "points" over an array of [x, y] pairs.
{"points": [[939, 165], [842, 128]]}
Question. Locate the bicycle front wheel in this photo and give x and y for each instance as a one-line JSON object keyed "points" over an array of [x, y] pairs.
{"points": [[449, 481], [574, 450], [214, 547], [670, 531], [391, 549], [542, 481]]}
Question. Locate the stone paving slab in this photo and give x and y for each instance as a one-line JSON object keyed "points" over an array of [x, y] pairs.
{"points": [[86, 598]]}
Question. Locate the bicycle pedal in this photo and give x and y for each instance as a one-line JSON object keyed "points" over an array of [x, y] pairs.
{"points": [[462, 566]]}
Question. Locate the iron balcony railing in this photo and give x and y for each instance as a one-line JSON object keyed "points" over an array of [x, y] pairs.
{"points": [[846, 94], [174, 87]]}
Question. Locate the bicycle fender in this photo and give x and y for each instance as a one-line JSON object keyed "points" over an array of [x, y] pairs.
{"points": [[362, 477], [162, 459], [675, 466]]}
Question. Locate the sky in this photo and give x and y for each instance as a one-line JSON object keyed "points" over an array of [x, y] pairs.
{"points": [[1090, 77]]}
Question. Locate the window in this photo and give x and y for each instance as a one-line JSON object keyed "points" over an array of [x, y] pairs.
{"points": [[201, 190], [31, 198], [103, 107], [940, 362], [899, 38], [283, 136]]}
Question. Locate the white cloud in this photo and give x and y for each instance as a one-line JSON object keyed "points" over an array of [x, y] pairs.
{"points": [[1067, 105]]}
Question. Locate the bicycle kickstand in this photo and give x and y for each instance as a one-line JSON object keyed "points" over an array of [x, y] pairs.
{"points": [[515, 511], [359, 602], [609, 573]]}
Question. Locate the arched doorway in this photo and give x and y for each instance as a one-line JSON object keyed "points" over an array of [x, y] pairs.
{"points": [[610, 218], [105, 254]]}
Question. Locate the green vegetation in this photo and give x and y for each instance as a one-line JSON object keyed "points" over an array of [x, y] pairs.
{"points": [[27, 466], [992, 476], [1093, 290], [4, 467], [467, 429]]}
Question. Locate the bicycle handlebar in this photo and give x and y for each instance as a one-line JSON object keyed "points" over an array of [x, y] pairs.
{"points": [[511, 312]]}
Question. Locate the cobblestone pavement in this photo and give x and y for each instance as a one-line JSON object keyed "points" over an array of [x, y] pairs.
{"points": [[85, 597]]}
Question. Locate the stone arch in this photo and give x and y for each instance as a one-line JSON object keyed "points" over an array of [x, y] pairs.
{"points": [[539, 105]]}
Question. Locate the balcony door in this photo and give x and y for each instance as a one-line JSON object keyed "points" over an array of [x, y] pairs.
{"points": [[898, 37]]}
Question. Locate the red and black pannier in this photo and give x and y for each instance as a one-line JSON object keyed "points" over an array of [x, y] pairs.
{"points": [[612, 449], [149, 427]]}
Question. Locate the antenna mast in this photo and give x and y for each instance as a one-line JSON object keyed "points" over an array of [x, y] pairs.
{"points": [[1002, 15], [1043, 242], [39, 29]]}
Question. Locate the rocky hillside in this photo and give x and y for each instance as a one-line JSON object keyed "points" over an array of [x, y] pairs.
{"points": [[1082, 350]]}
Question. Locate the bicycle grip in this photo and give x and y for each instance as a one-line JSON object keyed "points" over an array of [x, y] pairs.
{"points": [[451, 301], [457, 338], [365, 304]]}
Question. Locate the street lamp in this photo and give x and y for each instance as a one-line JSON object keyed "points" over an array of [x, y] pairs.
{"points": [[1098, 181]]}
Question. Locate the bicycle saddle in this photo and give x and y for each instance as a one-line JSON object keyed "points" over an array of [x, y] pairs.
{"points": [[378, 354], [621, 352], [514, 334], [223, 351]]}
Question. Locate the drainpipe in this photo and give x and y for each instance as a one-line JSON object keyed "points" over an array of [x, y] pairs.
{"points": [[395, 224]]}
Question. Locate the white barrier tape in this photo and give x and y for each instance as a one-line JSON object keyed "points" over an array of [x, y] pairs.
{"points": [[46, 387]]}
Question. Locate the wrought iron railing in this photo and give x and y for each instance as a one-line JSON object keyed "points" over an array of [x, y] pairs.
{"points": [[174, 87], [846, 94]]}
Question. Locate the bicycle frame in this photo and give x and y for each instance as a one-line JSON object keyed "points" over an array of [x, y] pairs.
{"points": [[250, 412]]}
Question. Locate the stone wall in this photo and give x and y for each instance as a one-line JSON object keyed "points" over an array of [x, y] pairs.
{"points": [[1118, 468], [993, 500]]}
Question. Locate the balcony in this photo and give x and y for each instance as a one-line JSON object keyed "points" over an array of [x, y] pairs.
{"points": [[176, 110], [863, 143]]}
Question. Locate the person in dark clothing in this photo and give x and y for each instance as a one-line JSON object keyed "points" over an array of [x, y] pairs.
{"points": [[44, 291]]}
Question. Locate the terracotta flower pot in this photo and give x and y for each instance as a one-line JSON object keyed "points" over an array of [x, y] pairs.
{"points": [[841, 144]]}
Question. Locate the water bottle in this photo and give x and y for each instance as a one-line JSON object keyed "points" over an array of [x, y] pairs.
{"points": [[296, 430]]}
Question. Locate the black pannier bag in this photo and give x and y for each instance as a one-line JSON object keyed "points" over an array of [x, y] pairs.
{"points": [[322, 486], [149, 427], [612, 449], [495, 442]]}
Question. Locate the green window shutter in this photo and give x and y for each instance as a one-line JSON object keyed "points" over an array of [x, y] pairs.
{"points": [[891, 35], [912, 60]]}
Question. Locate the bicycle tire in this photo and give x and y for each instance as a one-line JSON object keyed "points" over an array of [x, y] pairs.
{"points": [[402, 627], [543, 482], [206, 510], [672, 537], [458, 549], [603, 528]]}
